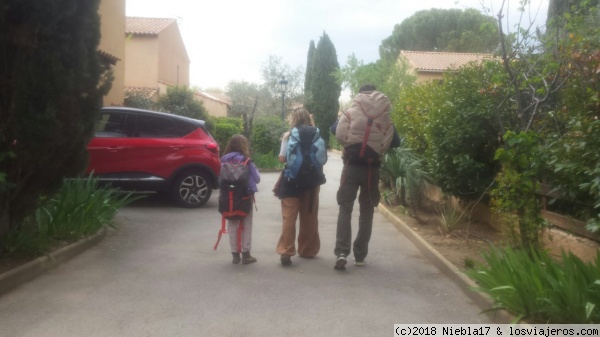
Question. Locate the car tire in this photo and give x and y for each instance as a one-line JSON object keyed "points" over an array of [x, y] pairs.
{"points": [[191, 189]]}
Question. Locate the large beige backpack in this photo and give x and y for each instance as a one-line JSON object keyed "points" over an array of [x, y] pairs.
{"points": [[365, 129]]}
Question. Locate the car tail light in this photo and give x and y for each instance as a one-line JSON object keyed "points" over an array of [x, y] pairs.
{"points": [[213, 147]]}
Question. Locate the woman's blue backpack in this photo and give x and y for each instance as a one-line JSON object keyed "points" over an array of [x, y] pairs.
{"points": [[305, 156]]}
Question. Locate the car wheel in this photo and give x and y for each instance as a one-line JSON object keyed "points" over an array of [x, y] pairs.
{"points": [[191, 189]]}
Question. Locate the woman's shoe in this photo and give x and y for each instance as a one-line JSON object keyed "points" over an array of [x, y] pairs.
{"points": [[286, 260], [247, 258]]}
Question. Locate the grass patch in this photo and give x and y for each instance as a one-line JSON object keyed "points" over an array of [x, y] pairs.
{"points": [[266, 161]]}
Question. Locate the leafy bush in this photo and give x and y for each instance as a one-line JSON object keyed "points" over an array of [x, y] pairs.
{"points": [[79, 209], [575, 154], [266, 134], [514, 198], [464, 132], [540, 290], [411, 114], [139, 100], [179, 100], [224, 128]]}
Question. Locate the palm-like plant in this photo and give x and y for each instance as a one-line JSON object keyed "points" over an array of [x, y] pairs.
{"points": [[406, 175]]}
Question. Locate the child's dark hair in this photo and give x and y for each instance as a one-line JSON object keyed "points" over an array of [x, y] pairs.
{"points": [[238, 143]]}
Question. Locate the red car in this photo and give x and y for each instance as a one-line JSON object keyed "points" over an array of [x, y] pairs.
{"points": [[144, 150]]}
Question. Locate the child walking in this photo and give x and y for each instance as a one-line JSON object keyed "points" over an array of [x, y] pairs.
{"points": [[238, 150]]}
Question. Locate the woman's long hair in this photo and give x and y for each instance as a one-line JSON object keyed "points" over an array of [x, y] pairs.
{"points": [[299, 117], [238, 143]]}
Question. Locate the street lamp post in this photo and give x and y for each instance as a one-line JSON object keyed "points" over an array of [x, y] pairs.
{"points": [[283, 88]]}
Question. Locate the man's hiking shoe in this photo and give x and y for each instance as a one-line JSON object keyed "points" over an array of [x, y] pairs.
{"points": [[247, 258], [359, 263], [286, 260], [340, 264], [236, 258]]}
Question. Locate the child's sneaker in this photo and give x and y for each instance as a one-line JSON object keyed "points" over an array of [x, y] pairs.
{"points": [[247, 258], [236, 258], [359, 263], [340, 264]]}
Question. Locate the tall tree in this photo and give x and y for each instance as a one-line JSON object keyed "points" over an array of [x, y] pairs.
{"points": [[246, 101], [452, 30], [272, 71], [310, 60], [50, 93], [557, 8], [324, 87], [388, 77]]}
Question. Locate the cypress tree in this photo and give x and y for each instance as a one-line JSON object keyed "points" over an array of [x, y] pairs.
{"points": [[324, 88], [309, 72], [51, 89]]}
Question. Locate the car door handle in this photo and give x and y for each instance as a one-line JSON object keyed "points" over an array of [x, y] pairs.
{"points": [[175, 147]]}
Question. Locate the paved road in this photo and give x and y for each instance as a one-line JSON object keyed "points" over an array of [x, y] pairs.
{"points": [[157, 275]]}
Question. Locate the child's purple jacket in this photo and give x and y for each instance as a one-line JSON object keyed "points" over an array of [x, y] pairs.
{"points": [[254, 175]]}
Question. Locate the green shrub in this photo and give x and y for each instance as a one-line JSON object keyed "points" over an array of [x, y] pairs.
{"points": [[79, 209], [403, 171], [463, 132], [224, 128], [450, 217], [266, 134], [540, 290], [139, 100]]}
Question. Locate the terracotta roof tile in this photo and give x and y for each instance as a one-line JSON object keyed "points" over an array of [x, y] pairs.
{"points": [[146, 26], [441, 61]]}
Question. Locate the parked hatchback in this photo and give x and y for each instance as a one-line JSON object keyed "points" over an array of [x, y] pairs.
{"points": [[144, 150]]}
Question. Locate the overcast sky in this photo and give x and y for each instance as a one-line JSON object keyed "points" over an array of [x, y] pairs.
{"points": [[229, 40]]}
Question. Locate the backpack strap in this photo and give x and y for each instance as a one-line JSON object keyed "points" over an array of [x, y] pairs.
{"points": [[221, 232]]}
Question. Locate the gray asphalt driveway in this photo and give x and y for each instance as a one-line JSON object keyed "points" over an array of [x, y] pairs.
{"points": [[158, 275]]}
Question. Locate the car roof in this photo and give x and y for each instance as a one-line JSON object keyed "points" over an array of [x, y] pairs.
{"points": [[197, 122]]}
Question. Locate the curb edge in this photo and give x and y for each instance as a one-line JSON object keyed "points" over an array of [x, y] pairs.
{"points": [[30, 270], [448, 268]]}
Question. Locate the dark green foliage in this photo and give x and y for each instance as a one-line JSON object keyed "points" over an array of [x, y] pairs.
{"points": [[403, 169], [266, 135], [139, 100], [224, 128], [411, 114], [50, 94], [574, 150], [452, 30], [464, 132], [537, 289], [309, 74], [79, 209], [514, 197], [324, 87], [179, 100]]}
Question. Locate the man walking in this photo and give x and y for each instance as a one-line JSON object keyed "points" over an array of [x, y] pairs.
{"points": [[366, 131]]}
